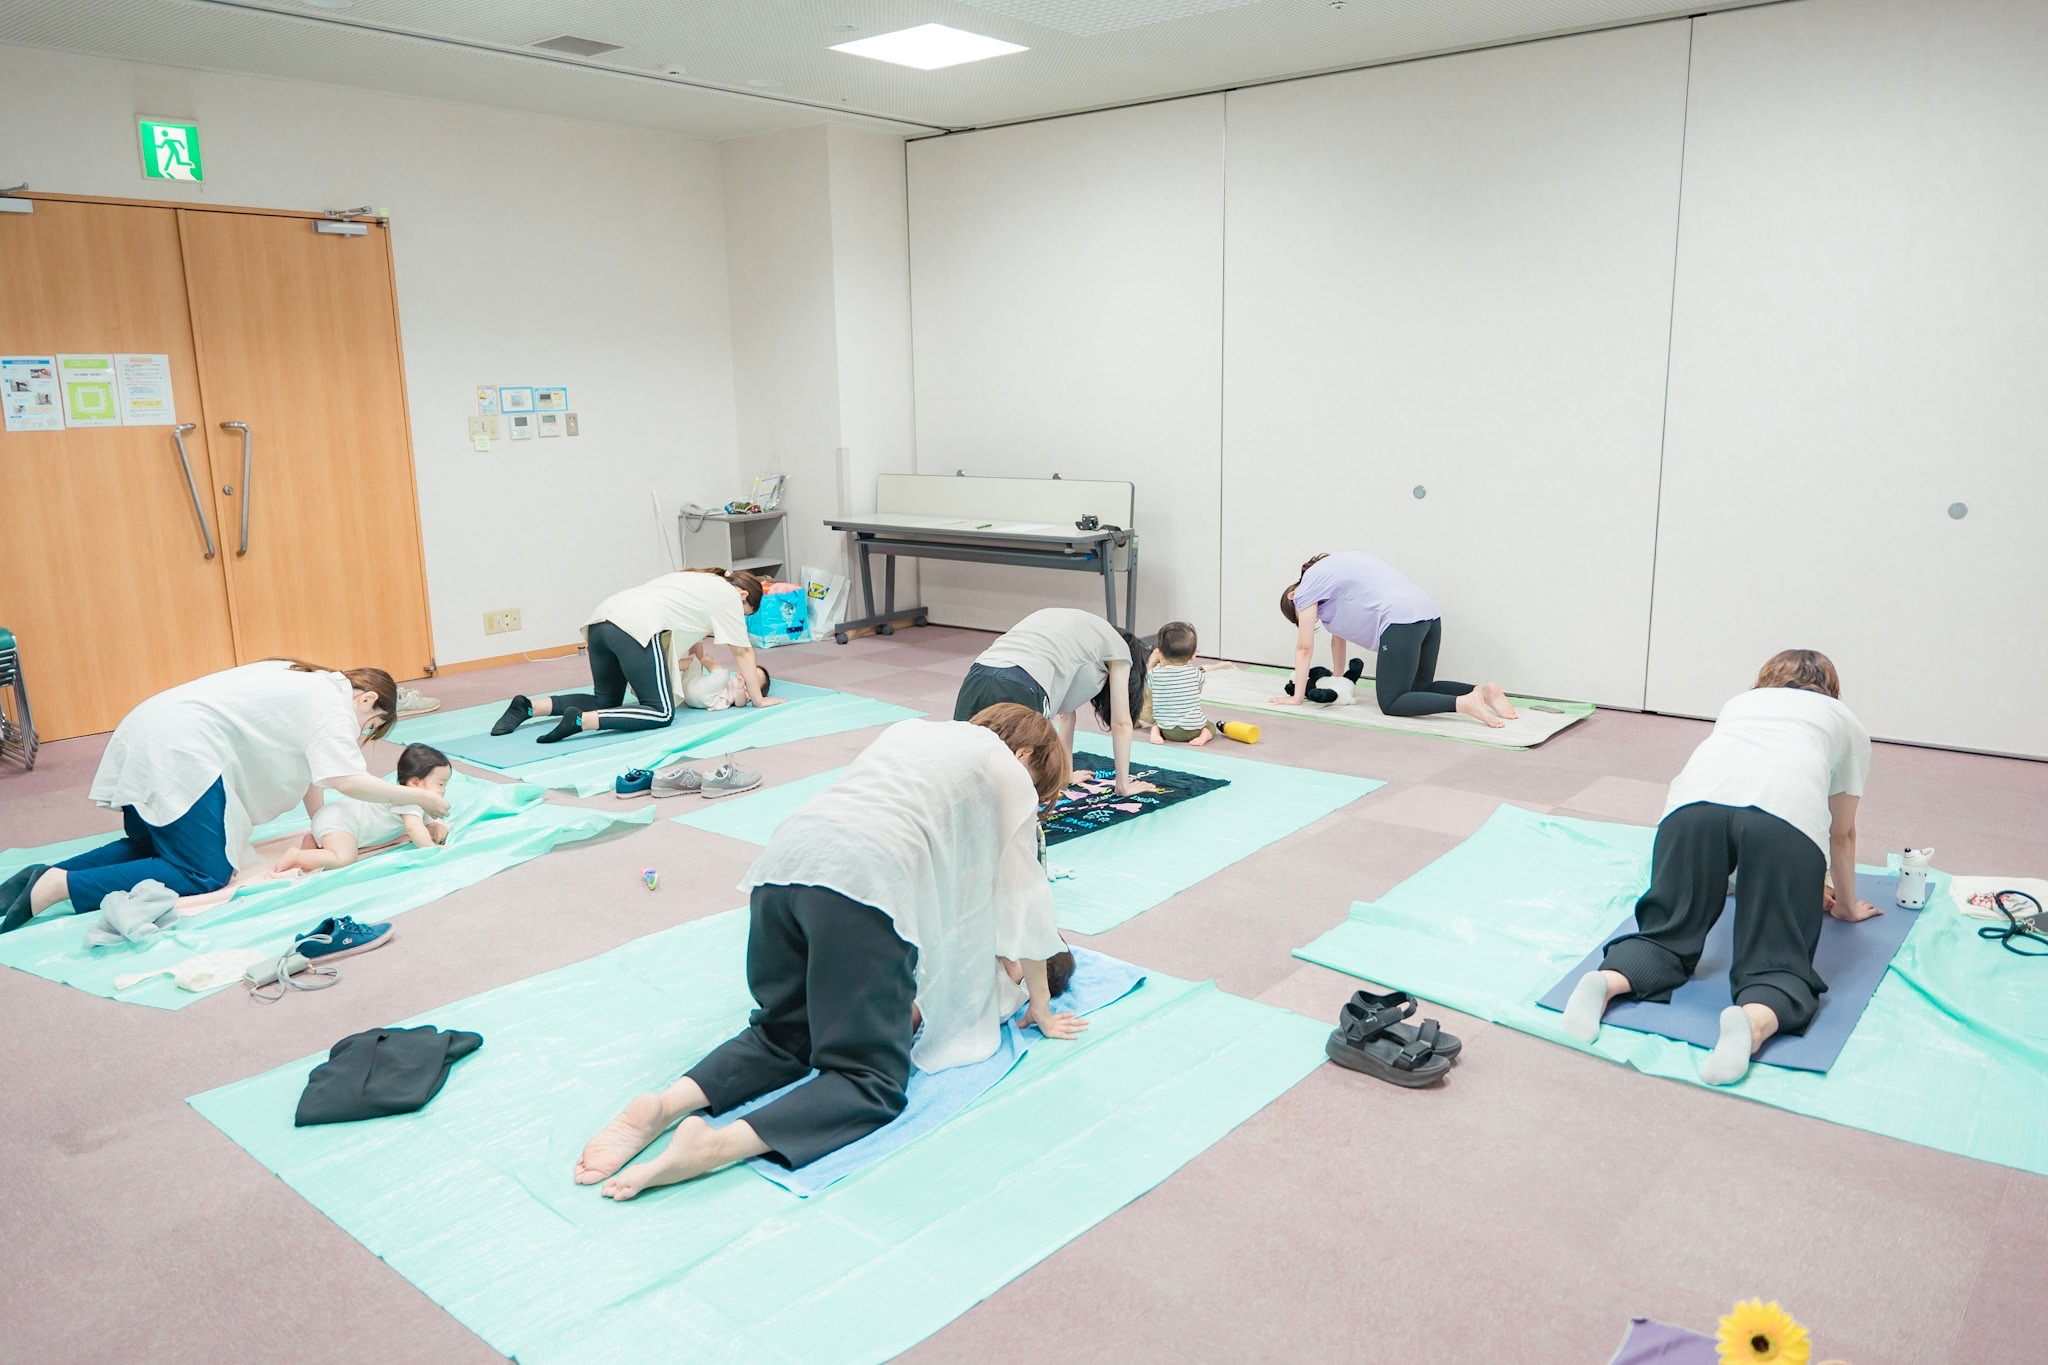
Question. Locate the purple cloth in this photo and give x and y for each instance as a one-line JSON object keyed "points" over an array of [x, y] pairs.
{"points": [[1656, 1343], [1356, 596]]}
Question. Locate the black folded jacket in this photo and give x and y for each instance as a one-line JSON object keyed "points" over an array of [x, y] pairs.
{"points": [[384, 1071]]}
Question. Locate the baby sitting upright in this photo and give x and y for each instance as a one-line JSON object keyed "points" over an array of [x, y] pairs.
{"points": [[1173, 689], [344, 827]]}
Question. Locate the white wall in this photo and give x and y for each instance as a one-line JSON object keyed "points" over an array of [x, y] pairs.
{"points": [[821, 322], [1861, 334], [528, 251], [1067, 307], [1456, 274]]}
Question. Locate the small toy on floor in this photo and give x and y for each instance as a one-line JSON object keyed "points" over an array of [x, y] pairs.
{"points": [[1340, 690], [651, 879]]}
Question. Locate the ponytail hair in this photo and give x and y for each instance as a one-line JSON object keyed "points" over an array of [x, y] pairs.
{"points": [[1139, 654], [749, 585], [1287, 593], [362, 680]]}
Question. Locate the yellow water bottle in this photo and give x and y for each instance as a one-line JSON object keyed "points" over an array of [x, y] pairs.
{"points": [[1243, 731]]}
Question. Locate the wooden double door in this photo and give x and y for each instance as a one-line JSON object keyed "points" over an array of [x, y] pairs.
{"points": [[278, 517]]}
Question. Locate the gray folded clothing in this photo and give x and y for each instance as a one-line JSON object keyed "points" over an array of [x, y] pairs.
{"points": [[133, 916]]}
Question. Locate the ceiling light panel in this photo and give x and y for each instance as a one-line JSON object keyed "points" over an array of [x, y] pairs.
{"points": [[929, 47], [1085, 18]]}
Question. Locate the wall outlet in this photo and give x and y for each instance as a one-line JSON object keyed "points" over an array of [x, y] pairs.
{"points": [[499, 622]]}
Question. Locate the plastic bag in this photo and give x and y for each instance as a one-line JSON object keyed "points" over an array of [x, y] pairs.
{"points": [[827, 594]]}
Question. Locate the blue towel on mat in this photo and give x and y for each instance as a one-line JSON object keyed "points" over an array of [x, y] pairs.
{"points": [[936, 1096]]}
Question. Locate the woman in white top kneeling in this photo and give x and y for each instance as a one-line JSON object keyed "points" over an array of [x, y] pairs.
{"points": [[1770, 796], [899, 885], [194, 769], [639, 639]]}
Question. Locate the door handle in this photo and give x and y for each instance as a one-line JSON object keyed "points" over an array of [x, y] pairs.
{"points": [[191, 484], [248, 451]]}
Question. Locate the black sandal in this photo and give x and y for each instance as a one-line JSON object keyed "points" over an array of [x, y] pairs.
{"points": [[1445, 1045], [1365, 1042]]}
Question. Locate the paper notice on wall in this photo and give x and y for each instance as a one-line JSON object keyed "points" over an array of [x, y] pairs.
{"points": [[29, 393], [92, 393], [146, 397]]}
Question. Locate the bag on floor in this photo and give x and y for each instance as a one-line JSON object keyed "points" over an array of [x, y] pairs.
{"points": [[783, 619], [827, 593]]}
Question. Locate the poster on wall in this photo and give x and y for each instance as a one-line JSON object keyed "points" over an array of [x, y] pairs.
{"points": [[145, 387], [486, 400], [28, 393], [92, 394], [551, 399], [515, 399]]}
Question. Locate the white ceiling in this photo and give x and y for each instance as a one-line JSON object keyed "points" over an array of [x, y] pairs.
{"points": [[1085, 54]]}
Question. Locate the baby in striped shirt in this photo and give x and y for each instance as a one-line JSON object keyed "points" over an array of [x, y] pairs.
{"points": [[1173, 685]]}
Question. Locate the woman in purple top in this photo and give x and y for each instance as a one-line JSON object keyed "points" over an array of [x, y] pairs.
{"points": [[1362, 600]]}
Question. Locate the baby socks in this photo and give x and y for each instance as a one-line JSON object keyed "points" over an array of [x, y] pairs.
{"points": [[569, 724], [517, 712], [1729, 1060]]}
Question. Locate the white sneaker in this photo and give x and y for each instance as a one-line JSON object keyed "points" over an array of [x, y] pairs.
{"points": [[415, 703], [677, 782], [728, 781]]}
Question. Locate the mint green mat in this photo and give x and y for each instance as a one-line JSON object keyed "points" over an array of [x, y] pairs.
{"points": [[1125, 870], [739, 728], [471, 1198], [1950, 1052], [495, 826]]}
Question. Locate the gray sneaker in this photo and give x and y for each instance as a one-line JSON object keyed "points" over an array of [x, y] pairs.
{"points": [[727, 780], [677, 782]]}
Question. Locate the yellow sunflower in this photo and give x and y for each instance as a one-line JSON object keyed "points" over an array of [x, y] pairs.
{"points": [[1759, 1333]]}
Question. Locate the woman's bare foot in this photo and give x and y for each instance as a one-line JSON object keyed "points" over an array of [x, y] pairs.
{"points": [[1474, 705], [1491, 694], [1199, 740], [624, 1138], [696, 1149]]}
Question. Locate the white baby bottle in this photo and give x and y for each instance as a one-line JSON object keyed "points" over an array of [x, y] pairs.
{"points": [[1913, 864]]}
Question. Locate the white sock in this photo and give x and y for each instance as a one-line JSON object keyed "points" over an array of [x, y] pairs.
{"points": [[1588, 1002], [1729, 1060]]}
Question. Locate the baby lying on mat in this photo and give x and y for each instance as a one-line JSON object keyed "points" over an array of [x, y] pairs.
{"points": [[343, 828], [710, 688]]}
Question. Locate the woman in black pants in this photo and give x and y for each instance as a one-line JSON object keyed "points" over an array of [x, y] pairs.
{"points": [[637, 639], [1771, 796], [900, 886], [1363, 600]]}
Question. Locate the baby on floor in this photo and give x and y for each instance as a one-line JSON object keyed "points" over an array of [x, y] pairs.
{"points": [[1173, 688], [707, 687], [343, 828]]}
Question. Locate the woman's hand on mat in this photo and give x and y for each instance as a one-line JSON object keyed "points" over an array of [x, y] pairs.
{"points": [[1854, 911], [1058, 1026], [1283, 700], [771, 701]]}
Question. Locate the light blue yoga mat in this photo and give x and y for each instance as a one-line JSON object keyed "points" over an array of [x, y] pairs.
{"points": [[1128, 868], [587, 766], [471, 1198], [935, 1096], [1950, 1052], [494, 826]]}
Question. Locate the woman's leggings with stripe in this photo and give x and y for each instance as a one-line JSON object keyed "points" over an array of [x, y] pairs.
{"points": [[617, 662]]}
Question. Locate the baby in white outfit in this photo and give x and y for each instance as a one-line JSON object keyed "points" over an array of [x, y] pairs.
{"points": [[343, 827], [708, 688]]}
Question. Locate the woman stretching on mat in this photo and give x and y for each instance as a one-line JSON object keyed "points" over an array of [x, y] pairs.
{"points": [[1770, 795], [896, 886], [1055, 661], [194, 769], [639, 638], [1362, 600]]}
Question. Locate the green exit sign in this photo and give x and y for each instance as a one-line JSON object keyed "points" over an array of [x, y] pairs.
{"points": [[170, 151]]}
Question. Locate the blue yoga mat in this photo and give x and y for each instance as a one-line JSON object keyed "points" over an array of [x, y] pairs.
{"points": [[523, 745], [936, 1096], [1852, 959]]}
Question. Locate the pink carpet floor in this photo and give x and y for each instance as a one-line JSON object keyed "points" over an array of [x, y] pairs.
{"points": [[1517, 1215]]}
